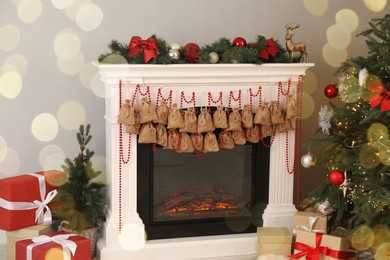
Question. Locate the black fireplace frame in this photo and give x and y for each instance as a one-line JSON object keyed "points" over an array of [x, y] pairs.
{"points": [[200, 227]]}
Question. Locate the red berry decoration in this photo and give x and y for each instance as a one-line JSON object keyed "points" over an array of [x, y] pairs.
{"points": [[331, 91], [336, 177], [239, 42], [191, 52]]}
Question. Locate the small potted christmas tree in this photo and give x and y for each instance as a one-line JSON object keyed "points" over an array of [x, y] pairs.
{"points": [[81, 199]]}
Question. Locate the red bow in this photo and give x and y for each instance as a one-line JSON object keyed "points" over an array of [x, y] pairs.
{"points": [[314, 253], [271, 48], [149, 47], [380, 96]]}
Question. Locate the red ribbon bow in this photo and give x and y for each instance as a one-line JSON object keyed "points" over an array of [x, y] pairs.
{"points": [[380, 96], [149, 47], [314, 253], [271, 48]]}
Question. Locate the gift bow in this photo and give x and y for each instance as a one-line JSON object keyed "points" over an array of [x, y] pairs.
{"points": [[314, 253], [380, 96], [41, 216], [148, 46], [312, 221], [69, 247], [270, 49]]}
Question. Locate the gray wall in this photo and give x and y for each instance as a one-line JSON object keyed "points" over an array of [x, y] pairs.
{"points": [[48, 86]]}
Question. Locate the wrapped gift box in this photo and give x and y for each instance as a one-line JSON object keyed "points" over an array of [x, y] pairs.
{"points": [[326, 247], [310, 221], [53, 246], [22, 234], [17, 196], [274, 240]]}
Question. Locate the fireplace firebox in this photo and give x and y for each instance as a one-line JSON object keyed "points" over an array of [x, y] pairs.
{"points": [[185, 195]]}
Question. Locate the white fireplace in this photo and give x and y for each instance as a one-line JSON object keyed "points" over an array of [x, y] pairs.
{"points": [[204, 85]]}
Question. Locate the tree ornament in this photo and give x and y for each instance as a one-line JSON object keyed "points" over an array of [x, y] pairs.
{"points": [[213, 57], [174, 54], [324, 117], [336, 177], [192, 54], [363, 75], [174, 46], [308, 160], [331, 91], [239, 42]]}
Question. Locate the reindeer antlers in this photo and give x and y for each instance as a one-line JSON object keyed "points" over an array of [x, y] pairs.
{"points": [[292, 26]]}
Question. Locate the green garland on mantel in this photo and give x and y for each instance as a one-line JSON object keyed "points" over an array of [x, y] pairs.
{"points": [[223, 50]]}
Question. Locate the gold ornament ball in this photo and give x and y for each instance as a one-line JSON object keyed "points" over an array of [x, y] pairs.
{"points": [[376, 132], [174, 54], [383, 251], [362, 238], [368, 156], [213, 57], [308, 160]]}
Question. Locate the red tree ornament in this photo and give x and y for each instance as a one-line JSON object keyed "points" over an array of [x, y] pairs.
{"points": [[191, 52], [239, 42], [336, 177], [331, 91]]}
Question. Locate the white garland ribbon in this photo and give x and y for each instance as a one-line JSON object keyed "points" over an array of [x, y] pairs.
{"points": [[43, 213], [312, 221], [69, 247]]}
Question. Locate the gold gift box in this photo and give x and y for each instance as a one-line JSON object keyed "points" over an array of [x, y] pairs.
{"points": [[274, 240], [310, 221], [332, 242], [24, 233]]}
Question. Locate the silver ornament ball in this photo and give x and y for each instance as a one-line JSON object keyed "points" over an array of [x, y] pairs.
{"points": [[213, 57], [174, 54], [174, 46], [308, 160]]}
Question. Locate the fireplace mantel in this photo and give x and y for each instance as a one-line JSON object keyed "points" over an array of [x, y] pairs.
{"points": [[200, 80]]}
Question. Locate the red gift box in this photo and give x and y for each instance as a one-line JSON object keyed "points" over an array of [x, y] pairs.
{"points": [[54, 246], [24, 199]]}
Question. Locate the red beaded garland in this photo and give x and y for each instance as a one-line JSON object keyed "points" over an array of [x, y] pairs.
{"points": [[183, 98], [210, 99]]}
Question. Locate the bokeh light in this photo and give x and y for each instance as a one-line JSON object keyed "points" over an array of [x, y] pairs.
{"points": [[10, 165], [383, 151], [3, 148], [44, 127], [375, 5], [71, 115], [376, 132], [54, 254], [97, 86], [311, 82], [368, 156], [317, 8], [347, 20], [308, 105], [29, 10], [72, 10], [383, 251], [89, 17], [132, 237], [10, 84], [382, 235], [72, 66], [333, 57], [62, 4], [99, 164], [338, 38], [67, 45], [17, 63], [51, 157], [349, 88], [87, 73], [362, 238], [10, 37]]}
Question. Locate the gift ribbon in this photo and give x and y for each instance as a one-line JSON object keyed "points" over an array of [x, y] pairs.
{"points": [[149, 47], [312, 221], [379, 96], [41, 216], [314, 253], [69, 247]]}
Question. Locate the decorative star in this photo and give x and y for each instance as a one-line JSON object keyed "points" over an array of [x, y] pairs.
{"points": [[324, 117]]}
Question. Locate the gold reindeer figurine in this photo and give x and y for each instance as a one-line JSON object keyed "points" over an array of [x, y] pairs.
{"points": [[295, 47]]}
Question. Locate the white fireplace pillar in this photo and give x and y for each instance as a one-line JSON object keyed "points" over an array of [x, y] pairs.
{"points": [[121, 172]]}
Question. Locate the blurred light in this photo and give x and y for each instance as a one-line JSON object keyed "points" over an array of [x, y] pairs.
{"points": [[310, 82], [375, 5], [10, 84], [347, 20], [99, 163], [62, 4], [71, 115], [10, 165], [17, 63], [73, 66], [10, 37], [29, 10], [317, 8], [89, 17], [44, 127], [67, 45], [3, 148], [338, 38], [332, 56], [51, 157], [72, 10], [308, 105], [97, 86]]}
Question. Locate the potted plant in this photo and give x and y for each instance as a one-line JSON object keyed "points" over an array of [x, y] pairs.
{"points": [[81, 199]]}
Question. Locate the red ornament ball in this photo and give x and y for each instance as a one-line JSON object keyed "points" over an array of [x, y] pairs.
{"points": [[331, 91], [336, 177], [239, 42]]}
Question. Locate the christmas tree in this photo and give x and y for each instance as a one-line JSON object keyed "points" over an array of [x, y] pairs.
{"points": [[356, 145]]}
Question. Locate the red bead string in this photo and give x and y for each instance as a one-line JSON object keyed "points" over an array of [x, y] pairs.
{"points": [[183, 98], [231, 97], [272, 138], [280, 87], [298, 140], [160, 97], [211, 99], [259, 94], [145, 94]]}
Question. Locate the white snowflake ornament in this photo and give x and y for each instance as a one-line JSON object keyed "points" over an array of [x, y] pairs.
{"points": [[324, 117]]}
